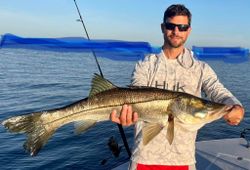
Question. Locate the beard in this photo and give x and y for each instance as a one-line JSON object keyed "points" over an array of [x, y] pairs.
{"points": [[175, 41]]}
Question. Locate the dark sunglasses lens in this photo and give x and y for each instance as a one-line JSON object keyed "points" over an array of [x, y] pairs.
{"points": [[181, 27], [170, 26]]}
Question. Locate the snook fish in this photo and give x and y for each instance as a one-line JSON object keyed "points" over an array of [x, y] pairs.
{"points": [[156, 107]]}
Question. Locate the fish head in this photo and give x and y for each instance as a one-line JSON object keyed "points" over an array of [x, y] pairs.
{"points": [[193, 110]]}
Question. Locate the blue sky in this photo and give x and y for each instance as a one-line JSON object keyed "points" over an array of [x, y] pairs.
{"points": [[215, 22]]}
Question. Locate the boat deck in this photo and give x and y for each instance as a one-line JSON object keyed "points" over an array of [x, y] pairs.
{"points": [[230, 154]]}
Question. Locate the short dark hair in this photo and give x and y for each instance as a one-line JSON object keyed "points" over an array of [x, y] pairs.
{"points": [[177, 10]]}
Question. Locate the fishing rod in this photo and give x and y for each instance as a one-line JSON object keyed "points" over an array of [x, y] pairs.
{"points": [[86, 32], [124, 139]]}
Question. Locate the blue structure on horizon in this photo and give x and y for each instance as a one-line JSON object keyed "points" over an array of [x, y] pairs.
{"points": [[118, 49], [227, 54], [112, 49]]}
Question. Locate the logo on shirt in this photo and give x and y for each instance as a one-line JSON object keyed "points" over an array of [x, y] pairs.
{"points": [[164, 85]]}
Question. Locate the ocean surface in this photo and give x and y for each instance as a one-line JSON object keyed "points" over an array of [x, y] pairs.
{"points": [[33, 80]]}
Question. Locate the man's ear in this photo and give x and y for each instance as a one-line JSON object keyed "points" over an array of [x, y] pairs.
{"points": [[189, 30]]}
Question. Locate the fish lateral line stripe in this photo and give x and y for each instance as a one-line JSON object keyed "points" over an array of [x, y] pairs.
{"points": [[97, 108]]}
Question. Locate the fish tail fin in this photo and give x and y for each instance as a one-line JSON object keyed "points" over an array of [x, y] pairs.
{"points": [[33, 126]]}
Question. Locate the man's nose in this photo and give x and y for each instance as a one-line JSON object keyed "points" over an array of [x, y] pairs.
{"points": [[176, 30]]}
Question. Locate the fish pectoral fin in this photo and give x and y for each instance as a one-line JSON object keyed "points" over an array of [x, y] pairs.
{"points": [[149, 131], [170, 131], [83, 126]]}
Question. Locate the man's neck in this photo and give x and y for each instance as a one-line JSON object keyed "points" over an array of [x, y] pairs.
{"points": [[172, 53]]}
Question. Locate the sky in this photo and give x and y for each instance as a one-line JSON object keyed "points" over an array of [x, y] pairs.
{"points": [[214, 22]]}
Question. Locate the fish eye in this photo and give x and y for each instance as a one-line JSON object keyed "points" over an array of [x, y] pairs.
{"points": [[200, 115]]}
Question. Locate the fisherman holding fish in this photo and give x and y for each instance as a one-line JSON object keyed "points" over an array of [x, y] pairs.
{"points": [[174, 68], [167, 114]]}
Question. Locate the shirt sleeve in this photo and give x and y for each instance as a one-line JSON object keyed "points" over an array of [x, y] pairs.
{"points": [[215, 90]]}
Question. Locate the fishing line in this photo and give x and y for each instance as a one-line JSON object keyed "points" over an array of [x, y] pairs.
{"points": [[99, 68], [86, 32]]}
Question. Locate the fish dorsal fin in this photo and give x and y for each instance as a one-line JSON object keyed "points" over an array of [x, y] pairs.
{"points": [[100, 84]]}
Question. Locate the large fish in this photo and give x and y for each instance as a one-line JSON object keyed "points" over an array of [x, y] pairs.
{"points": [[156, 107]]}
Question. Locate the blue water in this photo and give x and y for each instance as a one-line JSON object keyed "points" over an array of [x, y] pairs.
{"points": [[39, 80]]}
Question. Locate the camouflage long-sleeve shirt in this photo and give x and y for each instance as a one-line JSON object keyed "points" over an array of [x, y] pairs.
{"points": [[185, 74]]}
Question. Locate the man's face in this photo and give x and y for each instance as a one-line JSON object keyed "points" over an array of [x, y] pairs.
{"points": [[175, 38]]}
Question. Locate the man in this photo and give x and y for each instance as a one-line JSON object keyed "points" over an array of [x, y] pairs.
{"points": [[175, 68]]}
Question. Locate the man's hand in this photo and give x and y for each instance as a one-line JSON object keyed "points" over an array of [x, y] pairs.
{"points": [[235, 116], [127, 116]]}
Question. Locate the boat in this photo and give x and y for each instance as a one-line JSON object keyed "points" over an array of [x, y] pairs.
{"points": [[220, 154]]}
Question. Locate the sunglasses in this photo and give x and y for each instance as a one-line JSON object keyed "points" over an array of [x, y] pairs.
{"points": [[181, 27]]}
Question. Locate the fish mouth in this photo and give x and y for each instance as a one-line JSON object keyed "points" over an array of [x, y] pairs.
{"points": [[229, 108], [223, 110]]}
